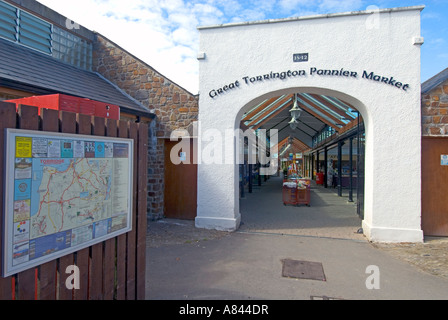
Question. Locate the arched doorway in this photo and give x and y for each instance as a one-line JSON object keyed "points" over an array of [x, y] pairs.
{"points": [[243, 65], [323, 126]]}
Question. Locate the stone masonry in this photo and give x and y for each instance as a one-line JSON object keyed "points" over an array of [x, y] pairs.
{"points": [[175, 108], [435, 111]]}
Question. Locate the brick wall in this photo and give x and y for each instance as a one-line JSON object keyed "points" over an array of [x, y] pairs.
{"points": [[175, 107], [435, 111]]}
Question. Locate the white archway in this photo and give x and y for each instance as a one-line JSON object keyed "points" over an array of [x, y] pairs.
{"points": [[385, 89]]}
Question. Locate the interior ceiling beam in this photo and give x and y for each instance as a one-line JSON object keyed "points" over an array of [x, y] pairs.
{"points": [[320, 118], [296, 144], [329, 105], [301, 122], [303, 145], [282, 128], [286, 106], [321, 123], [328, 115], [282, 143], [300, 143], [255, 123], [303, 132], [316, 131], [263, 106], [342, 104], [287, 118], [264, 112]]}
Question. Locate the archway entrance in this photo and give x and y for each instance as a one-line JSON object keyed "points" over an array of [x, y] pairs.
{"points": [[376, 70], [318, 149]]}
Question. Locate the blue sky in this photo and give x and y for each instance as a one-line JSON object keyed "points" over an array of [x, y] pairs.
{"points": [[163, 32]]}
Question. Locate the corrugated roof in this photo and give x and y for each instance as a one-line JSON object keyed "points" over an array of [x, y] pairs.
{"points": [[32, 69], [435, 81]]}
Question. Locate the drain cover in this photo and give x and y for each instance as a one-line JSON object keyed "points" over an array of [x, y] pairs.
{"points": [[303, 270], [323, 298]]}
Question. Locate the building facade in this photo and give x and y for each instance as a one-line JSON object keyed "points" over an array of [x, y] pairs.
{"points": [[371, 67]]}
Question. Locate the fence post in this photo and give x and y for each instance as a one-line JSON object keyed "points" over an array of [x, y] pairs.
{"points": [[47, 274], [84, 127], [8, 118], [26, 280], [68, 125], [142, 192]]}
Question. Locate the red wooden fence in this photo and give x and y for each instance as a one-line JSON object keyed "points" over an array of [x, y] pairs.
{"points": [[113, 269]]}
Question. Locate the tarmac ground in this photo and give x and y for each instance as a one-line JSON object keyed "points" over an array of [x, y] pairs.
{"points": [[187, 263]]}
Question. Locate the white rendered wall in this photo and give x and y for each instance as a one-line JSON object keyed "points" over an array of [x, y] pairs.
{"points": [[381, 43]]}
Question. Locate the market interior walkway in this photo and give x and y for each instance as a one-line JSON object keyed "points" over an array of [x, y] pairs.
{"points": [[329, 216]]}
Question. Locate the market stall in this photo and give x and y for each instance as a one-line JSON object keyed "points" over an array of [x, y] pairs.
{"points": [[296, 191]]}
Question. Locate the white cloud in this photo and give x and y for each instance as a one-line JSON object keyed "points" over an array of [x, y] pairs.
{"points": [[340, 6], [163, 33], [160, 32], [290, 5]]}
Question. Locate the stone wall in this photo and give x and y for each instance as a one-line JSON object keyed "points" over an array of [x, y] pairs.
{"points": [[435, 111], [175, 107]]}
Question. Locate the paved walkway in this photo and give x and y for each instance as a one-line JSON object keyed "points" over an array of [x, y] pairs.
{"points": [[247, 264], [328, 215]]}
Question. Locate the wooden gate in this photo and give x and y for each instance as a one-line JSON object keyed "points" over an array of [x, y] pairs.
{"points": [[113, 269], [434, 186]]}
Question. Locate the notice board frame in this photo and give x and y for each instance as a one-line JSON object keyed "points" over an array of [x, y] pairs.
{"points": [[122, 149]]}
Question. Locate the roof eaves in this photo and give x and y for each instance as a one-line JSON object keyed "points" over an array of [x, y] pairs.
{"points": [[143, 62], [148, 111], [435, 81]]}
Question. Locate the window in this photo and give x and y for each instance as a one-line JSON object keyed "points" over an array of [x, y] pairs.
{"points": [[8, 21], [24, 28], [34, 32], [323, 135], [72, 49]]}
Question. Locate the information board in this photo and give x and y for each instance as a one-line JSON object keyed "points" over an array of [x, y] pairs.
{"points": [[63, 193]]}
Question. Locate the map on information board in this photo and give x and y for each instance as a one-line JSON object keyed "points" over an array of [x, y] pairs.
{"points": [[64, 193]]}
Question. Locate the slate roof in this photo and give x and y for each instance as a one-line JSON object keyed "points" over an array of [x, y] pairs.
{"points": [[26, 69], [435, 81]]}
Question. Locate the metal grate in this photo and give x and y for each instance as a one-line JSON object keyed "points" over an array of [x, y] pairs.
{"points": [[324, 298], [303, 270]]}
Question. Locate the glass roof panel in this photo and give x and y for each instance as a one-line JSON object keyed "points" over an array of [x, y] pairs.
{"points": [[317, 111], [342, 106], [326, 109]]}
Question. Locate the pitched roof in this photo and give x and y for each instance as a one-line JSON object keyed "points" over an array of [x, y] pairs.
{"points": [[435, 81], [318, 111], [29, 70]]}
